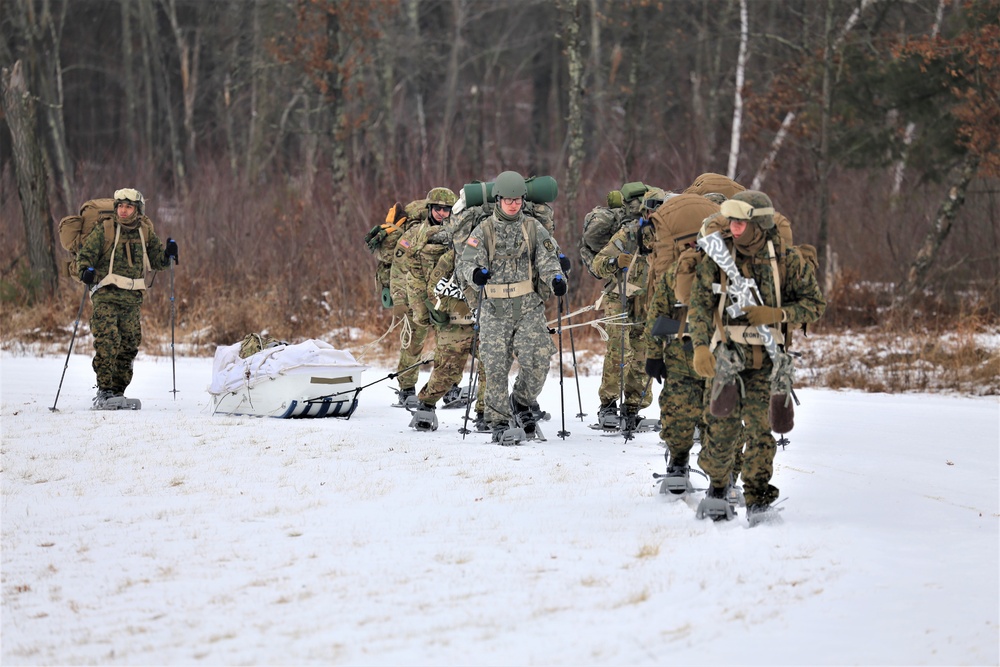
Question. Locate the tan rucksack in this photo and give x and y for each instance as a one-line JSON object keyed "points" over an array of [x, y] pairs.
{"points": [[74, 229]]}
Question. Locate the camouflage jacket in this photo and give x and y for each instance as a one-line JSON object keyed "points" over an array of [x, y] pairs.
{"points": [[801, 299], [128, 261], [417, 252], [663, 303], [512, 260], [625, 240]]}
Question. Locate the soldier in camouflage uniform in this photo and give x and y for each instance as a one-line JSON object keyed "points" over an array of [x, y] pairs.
{"points": [[668, 360], [416, 253], [116, 268], [513, 261], [753, 236], [461, 225], [625, 257]]}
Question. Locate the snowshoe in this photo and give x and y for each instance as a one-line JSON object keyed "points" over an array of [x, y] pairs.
{"points": [[677, 481], [455, 397], [540, 415], [607, 418], [759, 513], [647, 425], [524, 418], [110, 400], [402, 395], [424, 418], [481, 425], [715, 505], [506, 436]]}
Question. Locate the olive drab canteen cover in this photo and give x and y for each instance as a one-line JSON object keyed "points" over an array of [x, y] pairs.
{"points": [[598, 227]]}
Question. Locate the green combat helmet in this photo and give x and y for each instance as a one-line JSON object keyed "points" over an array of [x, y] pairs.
{"points": [[509, 184], [441, 197], [132, 196], [750, 205]]}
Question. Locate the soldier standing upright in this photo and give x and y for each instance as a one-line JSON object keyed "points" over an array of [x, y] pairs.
{"points": [[115, 259], [512, 261], [788, 288]]}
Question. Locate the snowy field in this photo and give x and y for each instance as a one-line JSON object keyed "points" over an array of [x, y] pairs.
{"points": [[172, 536]]}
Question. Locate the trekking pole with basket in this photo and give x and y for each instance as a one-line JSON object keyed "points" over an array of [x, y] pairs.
{"points": [[473, 375], [79, 313], [562, 397], [173, 357]]}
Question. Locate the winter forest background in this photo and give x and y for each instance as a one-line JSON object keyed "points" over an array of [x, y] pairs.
{"points": [[269, 135]]}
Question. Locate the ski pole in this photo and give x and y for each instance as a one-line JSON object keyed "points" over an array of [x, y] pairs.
{"points": [[472, 352], [173, 357], [79, 313], [622, 289], [562, 397], [576, 374]]}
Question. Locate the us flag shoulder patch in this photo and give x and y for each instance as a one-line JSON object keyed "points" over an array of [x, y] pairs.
{"points": [[474, 242], [404, 242]]}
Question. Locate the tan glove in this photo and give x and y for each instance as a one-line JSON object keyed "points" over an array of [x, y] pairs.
{"points": [[765, 315], [704, 362], [400, 310], [624, 259]]}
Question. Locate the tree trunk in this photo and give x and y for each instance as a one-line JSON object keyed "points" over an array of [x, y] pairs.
{"points": [[741, 64], [451, 83], [19, 109], [335, 103], [131, 96], [823, 159], [575, 157], [189, 53], [916, 276], [162, 79]]}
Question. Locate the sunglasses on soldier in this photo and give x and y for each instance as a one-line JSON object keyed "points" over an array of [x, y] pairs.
{"points": [[440, 208]]}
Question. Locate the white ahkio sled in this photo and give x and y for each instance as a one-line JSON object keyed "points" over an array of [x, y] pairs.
{"points": [[308, 379]]}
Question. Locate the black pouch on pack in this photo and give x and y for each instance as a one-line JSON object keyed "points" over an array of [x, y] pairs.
{"points": [[665, 326]]}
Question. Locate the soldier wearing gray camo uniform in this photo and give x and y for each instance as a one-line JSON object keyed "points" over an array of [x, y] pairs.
{"points": [[512, 261]]}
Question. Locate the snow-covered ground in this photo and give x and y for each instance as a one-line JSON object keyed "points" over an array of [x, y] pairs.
{"points": [[172, 536]]}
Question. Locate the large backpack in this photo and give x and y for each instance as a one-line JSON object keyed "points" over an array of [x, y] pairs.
{"points": [[598, 227], [74, 229]]}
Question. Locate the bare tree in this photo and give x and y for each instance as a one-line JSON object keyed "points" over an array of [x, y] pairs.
{"points": [[741, 64], [19, 109], [574, 57]]}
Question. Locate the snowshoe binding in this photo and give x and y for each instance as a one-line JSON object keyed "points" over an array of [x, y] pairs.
{"points": [[402, 396], [677, 481], [424, 417], [481, 425], [506, 436], [524, 419], [455, 397], [715, 505], [107, 399], [540, 415], [607, 418]]}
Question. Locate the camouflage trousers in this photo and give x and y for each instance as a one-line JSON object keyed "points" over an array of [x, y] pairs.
{"points": [[683, 399], [638, 393], [747, 429], [408, 356], [509, 329], [117, 331], [454, 343]]}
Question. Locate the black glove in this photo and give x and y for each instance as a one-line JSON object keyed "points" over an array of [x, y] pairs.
{"points": [[87, 276], [564, 263], [170, 251], [558, 285], [656, 369], [481, 276]]}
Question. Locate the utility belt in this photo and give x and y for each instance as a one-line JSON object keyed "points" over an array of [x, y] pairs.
{"points": [[508, 290], [747, 335], [121, 282]]}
